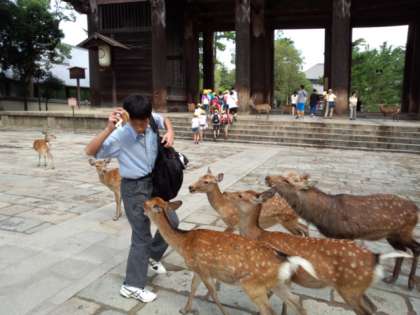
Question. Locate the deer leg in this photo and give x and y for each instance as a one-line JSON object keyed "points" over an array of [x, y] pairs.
{"points": [[39, 160], [367, 302], [398, 262], [415, 248], [45, 160], [194, 285], [355, 301], [51, 159], [212, 290], [283, 292], [118, 211], [229, 229], [258, 295]]}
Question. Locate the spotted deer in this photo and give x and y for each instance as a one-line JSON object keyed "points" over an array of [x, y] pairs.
{"points": [[344, 216], [340, 264], [43, 148], [275, 210], [229, 258], [111, 179]]}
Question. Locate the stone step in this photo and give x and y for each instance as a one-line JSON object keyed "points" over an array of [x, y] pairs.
{"points": [[313, 142], [307, 133]]}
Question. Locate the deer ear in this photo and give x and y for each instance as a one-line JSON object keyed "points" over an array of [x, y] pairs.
{"points": [[220, 177], [172, 206], [91, 161], [209, 171]]}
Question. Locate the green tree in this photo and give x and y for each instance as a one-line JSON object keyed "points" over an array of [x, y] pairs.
{"points": [[224, 78], [50, 85], [32, 41], [288, 75], [377, 74]]}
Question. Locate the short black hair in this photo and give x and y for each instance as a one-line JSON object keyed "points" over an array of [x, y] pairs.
{"points": [[138, 106], [302, 86]]}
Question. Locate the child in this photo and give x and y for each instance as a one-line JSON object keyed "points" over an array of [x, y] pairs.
{"points": [[353, 105], [203, 124], [195, 127], [331, 97], [215, 120]]}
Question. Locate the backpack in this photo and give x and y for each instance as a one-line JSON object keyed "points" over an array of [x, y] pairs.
{"points": [[168, 173], [215, 119]]}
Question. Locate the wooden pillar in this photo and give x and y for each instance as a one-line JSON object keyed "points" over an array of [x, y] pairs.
{"points": [[258, 52], [243, 46], [191, 59], [159, 81], [327, 58], [208, 60], [341, 35], [94, 74], [411, 94], [269, 67]]}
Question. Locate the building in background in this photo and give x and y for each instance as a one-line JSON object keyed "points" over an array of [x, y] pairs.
{"points": [[315, 74]]}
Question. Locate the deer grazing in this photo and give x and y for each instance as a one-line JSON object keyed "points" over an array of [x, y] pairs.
{"points": [[340, 264], [229, 258], [275, 210], [371, 217], [111, 179], [43, 148]]}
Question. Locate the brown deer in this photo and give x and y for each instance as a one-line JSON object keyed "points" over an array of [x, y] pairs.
{"points": [[260, 109], [43, 148], [111, 179], [275, 210], [393, 111], [343, 216], [340, 264], [229, 258]]}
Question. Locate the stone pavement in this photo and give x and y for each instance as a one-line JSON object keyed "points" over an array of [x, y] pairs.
{"points": [[61, 253]]}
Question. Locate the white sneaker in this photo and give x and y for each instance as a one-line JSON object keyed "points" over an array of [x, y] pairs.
{"points": [[156, 266], [142, 295]]}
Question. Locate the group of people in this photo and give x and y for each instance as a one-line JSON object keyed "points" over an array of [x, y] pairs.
{"points": [[220, 108], [299, 99]]}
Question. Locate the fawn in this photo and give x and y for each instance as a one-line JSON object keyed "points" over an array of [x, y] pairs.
{"points": [[111, 179], [43, 148], [343, 216], [340, 264], [228, 258], [275, 210]]}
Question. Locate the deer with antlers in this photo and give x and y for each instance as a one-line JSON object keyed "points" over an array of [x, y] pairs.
{"points": [[43, 148], [110, 178], [229, 258], [343, 216], [340, 264], [275, 210]]}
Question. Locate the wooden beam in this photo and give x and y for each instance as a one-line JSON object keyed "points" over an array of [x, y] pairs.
{"points": [[208, 60], [94, 74], [327, 58], [405, 100], [269, 66], [341, 36], [159, 89], [191, 58], [243, 46], [414, 83]]}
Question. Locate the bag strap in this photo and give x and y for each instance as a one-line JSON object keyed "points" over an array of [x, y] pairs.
{"points": [[153, 125]]}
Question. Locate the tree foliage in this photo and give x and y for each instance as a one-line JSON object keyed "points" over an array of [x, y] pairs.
{"points": [[50, 85], [288, 75], [30, 38], [377, 74], [224, 78]]}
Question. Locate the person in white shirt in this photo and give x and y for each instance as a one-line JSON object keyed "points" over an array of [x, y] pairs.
{"points": [[293, 101], [233, 104], [195, 128], [353, 105], [331, 97], [203, 124]]}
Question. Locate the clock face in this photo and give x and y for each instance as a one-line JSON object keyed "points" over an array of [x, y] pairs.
{"points": [[101, 53]]}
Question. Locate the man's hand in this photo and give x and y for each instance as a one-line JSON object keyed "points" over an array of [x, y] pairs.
{"points": [[168, 139], [114, 117]]}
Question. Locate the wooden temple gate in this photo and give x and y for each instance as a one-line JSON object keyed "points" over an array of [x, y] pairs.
{"points": [[163, 36]]}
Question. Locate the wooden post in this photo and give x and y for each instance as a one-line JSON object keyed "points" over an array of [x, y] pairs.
{"points": [[327, 58], [191, 59], [269, 66], [411, 93], [78, 92], [114, 88], [258, 52], [243, 46], [208, 60], [159, 89], [94, 75], [341, 34]]}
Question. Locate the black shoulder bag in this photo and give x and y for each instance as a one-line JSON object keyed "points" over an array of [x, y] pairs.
{"points": [[168, 173]]}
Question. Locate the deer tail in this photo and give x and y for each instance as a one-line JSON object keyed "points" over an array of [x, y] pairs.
{"points": [[380, 258], [292, 263]]}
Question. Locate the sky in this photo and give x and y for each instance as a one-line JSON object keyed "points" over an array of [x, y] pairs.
{"points": [[309, 42]]}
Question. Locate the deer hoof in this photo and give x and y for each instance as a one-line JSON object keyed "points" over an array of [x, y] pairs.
{"points": [[390, 279], [184, 311], [411, 283]]}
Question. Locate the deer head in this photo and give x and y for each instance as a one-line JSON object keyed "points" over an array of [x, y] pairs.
{"points": [[156, 207], [206, 183], [100, 165], [290, 179]]}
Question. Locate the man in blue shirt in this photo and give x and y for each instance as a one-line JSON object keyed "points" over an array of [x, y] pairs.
{"points": [[301, 101], [135, 147]]}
